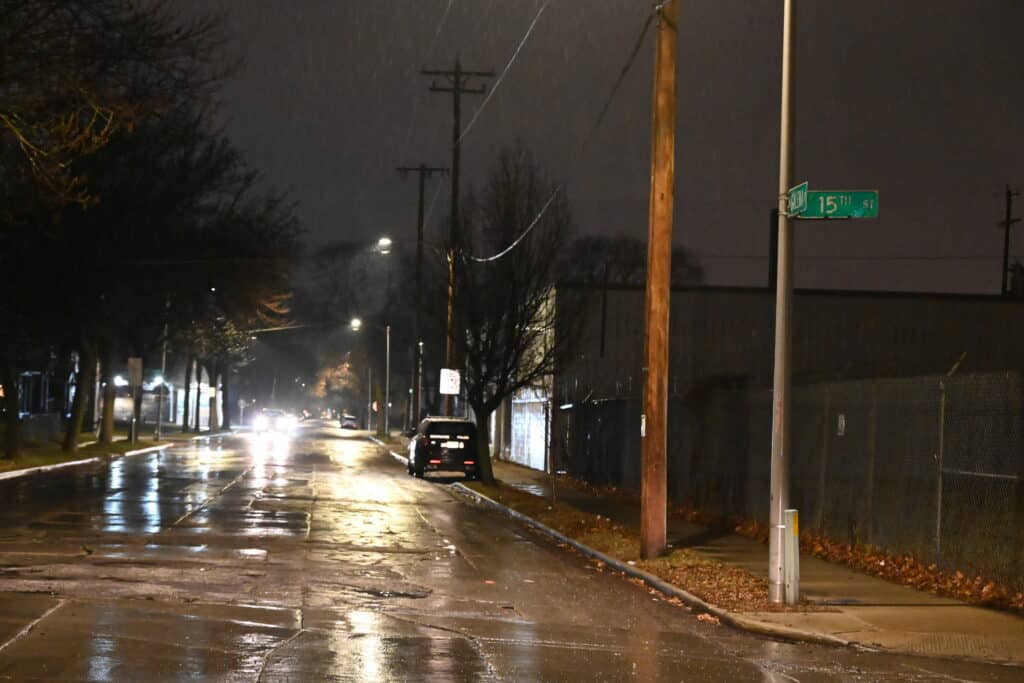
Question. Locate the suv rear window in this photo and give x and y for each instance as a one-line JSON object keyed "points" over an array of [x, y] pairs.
{"points": [[464, 430]]}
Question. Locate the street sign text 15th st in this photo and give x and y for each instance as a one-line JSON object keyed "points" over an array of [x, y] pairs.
{"points": [[841, 204]]}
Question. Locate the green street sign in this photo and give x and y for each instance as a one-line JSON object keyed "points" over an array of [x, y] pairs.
{"points": [[841, 204], [796, 199]]}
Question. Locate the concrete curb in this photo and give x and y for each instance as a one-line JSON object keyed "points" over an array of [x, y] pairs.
{"points": [[220, 432], [13, 474], [141, 451], [394, 454], [729, 618], [42, 469]]}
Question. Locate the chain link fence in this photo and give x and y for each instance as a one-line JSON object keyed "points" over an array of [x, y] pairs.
{"points": [[932, 466]]}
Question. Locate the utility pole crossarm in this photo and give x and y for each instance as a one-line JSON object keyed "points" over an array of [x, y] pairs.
{"points": [[480, 90], [451, 74], [428, 170]]}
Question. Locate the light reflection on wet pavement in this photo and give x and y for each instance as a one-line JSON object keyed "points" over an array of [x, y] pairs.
{"points": [[320, 560]]}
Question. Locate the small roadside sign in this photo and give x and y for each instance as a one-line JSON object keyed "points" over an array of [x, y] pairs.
{"points": [[796, 199], [450, 382], [841, 204], [135, 372]]}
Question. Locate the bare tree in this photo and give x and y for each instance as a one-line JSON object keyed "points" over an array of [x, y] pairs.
{"points": [[507, 305], [75, 72]]}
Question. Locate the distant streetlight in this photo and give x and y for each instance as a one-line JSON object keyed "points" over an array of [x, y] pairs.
{"points": [[384, 245], [357, 325]]}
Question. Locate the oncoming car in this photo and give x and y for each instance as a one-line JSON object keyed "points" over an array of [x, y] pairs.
{"points": [[273, 420], [349, 421], [445, 444]]}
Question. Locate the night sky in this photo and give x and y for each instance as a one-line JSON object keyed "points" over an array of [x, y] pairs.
{"points": [[920, 99]]}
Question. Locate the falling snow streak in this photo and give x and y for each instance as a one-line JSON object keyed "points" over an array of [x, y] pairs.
{"points": [[433, 201], [440, 27], [430, 51]]}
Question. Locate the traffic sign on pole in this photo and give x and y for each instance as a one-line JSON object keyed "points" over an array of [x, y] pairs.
{"points": [[841, 204], [450, 382], [796, 199]]}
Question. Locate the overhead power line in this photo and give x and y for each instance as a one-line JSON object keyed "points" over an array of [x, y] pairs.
{"points": [[522, 236], [637, 44], [501, 77]]}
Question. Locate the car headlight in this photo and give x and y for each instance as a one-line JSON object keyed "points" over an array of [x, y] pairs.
{"points": [[261, 423]]}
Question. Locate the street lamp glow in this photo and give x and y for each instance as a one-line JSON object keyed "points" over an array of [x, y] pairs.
{"points": [[384, 245], [158, 380], [120, 381], [356, 324]]}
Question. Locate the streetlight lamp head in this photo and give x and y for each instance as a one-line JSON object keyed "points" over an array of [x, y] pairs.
{"points": [[384, 245], [356, 324]]}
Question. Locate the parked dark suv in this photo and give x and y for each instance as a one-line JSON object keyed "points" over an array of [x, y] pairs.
{"points": [[444, 444]]}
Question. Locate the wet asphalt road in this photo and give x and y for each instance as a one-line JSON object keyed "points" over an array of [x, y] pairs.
{"points": [[319, 559]]}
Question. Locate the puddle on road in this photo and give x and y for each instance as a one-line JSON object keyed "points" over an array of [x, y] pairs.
{"points": [[417, 593]]}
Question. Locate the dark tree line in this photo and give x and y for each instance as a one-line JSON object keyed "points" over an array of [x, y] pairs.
{"points": [[127, 215]]}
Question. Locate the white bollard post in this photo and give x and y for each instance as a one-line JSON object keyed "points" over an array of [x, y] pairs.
{"points": [[791, 565]]}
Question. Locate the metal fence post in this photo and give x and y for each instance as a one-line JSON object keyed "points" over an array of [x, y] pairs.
{"points": [[823, 460], [938, 474], [869, 478]]}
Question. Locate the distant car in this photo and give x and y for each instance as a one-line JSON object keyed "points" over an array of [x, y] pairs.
{"points": [[444, 444], [273, 420], [349, 422]]}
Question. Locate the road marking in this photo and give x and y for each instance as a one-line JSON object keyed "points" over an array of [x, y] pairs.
{"points": [[271, 651], [23, 632], [206, 501]]}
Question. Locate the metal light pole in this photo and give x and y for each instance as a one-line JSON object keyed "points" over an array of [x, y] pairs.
{"points": [[387, 381], [161, 388], [419, 385], [357, 325], [779, 494]]}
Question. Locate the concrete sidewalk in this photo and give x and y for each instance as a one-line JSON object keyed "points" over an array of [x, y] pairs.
{"points": [[864, 610]]}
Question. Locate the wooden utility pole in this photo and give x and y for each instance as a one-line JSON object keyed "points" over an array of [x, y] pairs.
{"points": [[458, 79], [654, 420], [424, 172], [1010, 220]]}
